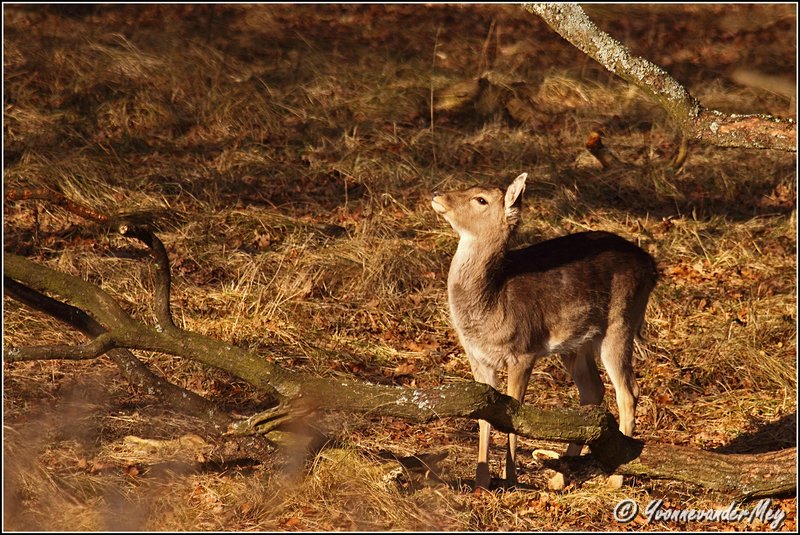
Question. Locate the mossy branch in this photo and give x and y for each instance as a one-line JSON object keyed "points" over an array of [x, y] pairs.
{"points": [[133, 369], [163, 279], [695, 122], [97, 347]]}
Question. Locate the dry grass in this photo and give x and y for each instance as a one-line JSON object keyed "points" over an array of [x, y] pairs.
{"points": [[287, 155]]}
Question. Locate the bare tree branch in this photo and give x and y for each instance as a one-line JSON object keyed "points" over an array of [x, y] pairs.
{"points": [[97, 347], [131, 367], [162, 278], [55, 197], [679, 158], [695, 122], [594, 144], [134, 335]]}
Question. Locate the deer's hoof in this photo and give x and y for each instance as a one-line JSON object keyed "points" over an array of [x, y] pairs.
{"points": [[615, 481], [557, 482]]}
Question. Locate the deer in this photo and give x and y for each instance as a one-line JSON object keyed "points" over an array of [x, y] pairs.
{"points": [[580, 296]]}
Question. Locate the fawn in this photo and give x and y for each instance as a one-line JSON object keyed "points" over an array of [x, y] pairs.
{"points": [[577, 295]]}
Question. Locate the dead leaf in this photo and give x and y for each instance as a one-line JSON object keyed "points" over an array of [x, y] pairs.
{"points": [[291, 522], [405, 368], [132, 470], [100, 467]]}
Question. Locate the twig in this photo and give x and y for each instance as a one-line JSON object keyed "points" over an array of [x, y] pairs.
{"points": [[55, 197], [97, 347], [269, 420], [162, 277], [594, 144], [135, 335], [680, 156], [488, 52]]}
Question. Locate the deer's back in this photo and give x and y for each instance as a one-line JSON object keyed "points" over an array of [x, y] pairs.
{"points": [[587, 253], [558, 294]]}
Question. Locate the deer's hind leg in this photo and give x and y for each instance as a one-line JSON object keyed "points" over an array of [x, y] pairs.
{"points": [[617, 356], [582, 366]]}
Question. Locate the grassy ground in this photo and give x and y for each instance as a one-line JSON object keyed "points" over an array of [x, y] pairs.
{"points": [[290, 152]]}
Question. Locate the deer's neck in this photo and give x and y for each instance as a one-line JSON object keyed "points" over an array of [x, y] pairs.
{"points": [[473, 282]]}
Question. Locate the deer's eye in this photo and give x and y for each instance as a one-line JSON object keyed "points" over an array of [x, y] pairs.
{"points": [[482, 201]]}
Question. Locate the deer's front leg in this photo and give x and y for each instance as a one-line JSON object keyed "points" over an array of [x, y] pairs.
{"points": [[483, 374], [518, 376]]}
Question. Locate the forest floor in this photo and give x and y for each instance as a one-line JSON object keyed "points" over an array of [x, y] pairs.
{"points": [[288, 154]]}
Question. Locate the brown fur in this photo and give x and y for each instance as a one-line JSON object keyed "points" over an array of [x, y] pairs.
{"points": [[579, 295]]}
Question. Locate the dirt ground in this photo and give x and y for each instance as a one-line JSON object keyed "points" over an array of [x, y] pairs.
{"points": [[287, 154]]}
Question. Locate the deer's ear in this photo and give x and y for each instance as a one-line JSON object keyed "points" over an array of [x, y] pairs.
{"points": [[514, 191], [513, 200]]}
